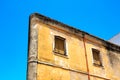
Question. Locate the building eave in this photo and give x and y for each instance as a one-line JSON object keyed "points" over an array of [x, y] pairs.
{"points": [[107, 44]]}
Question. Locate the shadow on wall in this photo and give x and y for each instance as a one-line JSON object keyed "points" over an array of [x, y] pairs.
{"points": [[115, 62]]}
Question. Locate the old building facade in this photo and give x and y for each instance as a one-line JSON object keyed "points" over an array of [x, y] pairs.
{"points": [[60, 52]]}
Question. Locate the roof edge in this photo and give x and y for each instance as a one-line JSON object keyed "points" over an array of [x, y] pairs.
{"points": [[109, 45]]}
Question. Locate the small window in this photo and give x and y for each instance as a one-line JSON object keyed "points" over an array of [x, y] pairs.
{"points": [[60, 46], [96, 57]]}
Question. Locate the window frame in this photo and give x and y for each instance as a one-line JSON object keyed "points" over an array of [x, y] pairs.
{"points": [[97, 51], [64, 42]]}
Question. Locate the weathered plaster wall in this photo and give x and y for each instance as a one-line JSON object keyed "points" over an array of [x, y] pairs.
{"points": [[51, 73], [77, 76], [95, 70], [44, 64], [114, 58], [32, 52], [75, 51]]}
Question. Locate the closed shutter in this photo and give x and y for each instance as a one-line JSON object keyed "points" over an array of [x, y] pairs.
{"points": [[60, 45], [96, 56]]}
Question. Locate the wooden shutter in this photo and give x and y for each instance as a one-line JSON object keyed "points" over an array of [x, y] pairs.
{"points": [[96, 56], [60, 45]]}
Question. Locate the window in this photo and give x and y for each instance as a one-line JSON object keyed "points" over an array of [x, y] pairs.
{"points": [[96, 57], [60, 46]]}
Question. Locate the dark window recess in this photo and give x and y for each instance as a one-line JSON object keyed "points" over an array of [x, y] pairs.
{"points": [[60, 46], [96, 57]]}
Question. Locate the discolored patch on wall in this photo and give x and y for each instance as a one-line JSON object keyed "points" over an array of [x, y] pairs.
{"points": [[114, 59], [78, 76]]}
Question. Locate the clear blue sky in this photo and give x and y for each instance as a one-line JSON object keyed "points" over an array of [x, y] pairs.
{"points": [[97, 17]]}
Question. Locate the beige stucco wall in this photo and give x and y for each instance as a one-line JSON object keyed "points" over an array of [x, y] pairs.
{"points": [[75, 51], [51, 66]]}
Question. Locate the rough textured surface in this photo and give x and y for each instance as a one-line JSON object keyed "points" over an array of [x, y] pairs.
{"points": [[45, 64], [115, 64], [52, 73], [32, 56], [77, 76]]}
